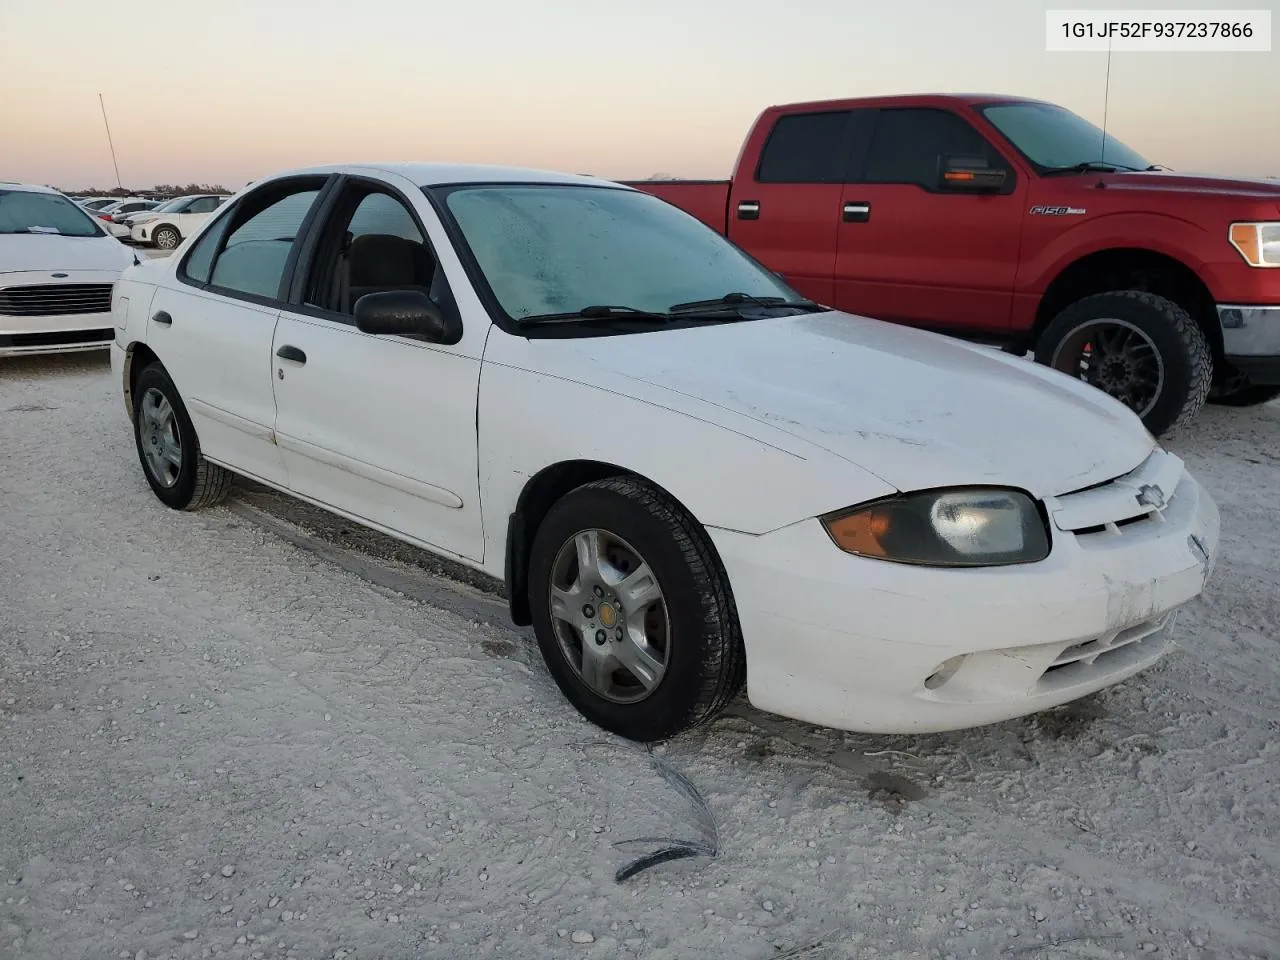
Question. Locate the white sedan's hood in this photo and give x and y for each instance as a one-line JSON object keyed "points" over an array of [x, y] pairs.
{"points": [[51, 251], [916, 409]]}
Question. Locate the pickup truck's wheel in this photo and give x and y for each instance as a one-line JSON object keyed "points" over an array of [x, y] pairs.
{"points": [[1233, 389], [1143, 349], [166, 238], [168, 447], [633, 612]]}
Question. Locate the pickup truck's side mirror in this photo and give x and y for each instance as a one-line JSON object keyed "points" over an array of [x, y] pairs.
{"points": [[406, 313], [969, 175]]}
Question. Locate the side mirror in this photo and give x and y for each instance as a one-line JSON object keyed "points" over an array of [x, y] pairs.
{"points": [[406, 313], [969, 175]]}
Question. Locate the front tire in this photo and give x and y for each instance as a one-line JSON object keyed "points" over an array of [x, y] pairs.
{"points": [[633, 612], [166, 238], [1140, 348], [168, 447]]}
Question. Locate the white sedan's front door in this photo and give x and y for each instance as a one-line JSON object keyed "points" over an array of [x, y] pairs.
{"points": [[382, 428]]}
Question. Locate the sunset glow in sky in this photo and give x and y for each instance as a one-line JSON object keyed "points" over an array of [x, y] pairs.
{"points": [[229, 91]]}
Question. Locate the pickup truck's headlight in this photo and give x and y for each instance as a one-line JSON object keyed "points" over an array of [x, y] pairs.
{"points": [[1258, 243], [944, 528]]}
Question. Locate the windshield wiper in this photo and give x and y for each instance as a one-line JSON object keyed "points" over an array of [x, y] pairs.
{"points": [[597, 312], [1089, 166], [741, 300]]}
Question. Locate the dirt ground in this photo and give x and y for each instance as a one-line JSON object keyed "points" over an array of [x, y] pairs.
{"points": [[254, 732]]}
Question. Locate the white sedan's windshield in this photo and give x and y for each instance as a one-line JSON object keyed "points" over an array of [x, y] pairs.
{"points": [[176, 205], [26, 211], [552, 249]]}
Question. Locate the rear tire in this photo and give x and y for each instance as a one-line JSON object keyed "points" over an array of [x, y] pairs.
{"points": [[168, 447], [1141, 348], [700, 643]]}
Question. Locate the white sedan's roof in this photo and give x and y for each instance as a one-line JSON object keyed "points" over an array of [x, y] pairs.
{"points": [[436, 174], [31, 187]]}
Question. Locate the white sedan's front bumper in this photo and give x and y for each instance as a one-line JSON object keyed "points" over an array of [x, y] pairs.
{"points": [[39, 314], [860, 644]]}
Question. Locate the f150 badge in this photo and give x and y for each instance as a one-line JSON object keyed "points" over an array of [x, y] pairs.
{"points": [[1057, 211]]}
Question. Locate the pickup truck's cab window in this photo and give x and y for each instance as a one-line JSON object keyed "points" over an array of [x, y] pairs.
{"points": [[806, 148], [909, 145]]}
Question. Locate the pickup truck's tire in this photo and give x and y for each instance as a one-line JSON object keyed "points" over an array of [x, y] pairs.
{"points": [[650, 655], [1141, 348], [1233, 389], [168, 447]]}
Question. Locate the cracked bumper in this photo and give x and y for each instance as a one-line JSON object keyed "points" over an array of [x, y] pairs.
{"points": [[858, 644]]}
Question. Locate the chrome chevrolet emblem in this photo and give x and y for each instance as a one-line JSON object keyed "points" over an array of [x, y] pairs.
{"points": [[1149, 495]]}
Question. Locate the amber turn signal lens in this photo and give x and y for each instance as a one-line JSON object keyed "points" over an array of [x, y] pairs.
{"points": [[862, 533], [1244, 237]]}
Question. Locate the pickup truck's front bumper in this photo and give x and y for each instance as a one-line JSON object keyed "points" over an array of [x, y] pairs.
{"points": [[1251, 340]]}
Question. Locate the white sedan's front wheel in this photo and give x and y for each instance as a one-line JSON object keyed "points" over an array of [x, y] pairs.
{"points": [[166, 238], [633, 612]]}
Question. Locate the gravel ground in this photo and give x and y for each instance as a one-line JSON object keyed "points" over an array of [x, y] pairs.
{"points": [[253, 732]]}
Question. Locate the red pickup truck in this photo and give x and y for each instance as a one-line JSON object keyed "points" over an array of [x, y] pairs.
{"points": [[1017, 222]]}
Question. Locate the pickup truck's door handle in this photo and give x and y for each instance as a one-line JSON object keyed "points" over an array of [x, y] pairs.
{"points": [[162, 317], [857, 211], [749, 210], [291, 353]]}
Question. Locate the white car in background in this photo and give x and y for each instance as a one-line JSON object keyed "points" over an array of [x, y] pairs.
{"points": [[170, 223], [57, 270], [94, 204], [114, 215], [687, 474]]}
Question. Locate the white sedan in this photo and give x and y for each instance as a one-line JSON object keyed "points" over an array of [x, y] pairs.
{"points": [[57, 269], [688, 476]]}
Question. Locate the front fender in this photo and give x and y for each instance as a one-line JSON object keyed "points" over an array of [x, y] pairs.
{"points": [[727, 479], [1175, 237]]}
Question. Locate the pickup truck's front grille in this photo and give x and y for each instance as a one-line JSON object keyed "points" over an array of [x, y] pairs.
{"points": [[55, 299]]}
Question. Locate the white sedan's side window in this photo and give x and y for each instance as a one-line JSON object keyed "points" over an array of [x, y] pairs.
{"points": [[254, 257], [376, 246]]}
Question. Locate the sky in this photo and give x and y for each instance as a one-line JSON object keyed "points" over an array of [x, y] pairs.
{"points": [[231, 91]]}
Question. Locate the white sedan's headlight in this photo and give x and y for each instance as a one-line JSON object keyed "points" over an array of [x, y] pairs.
{"points": [[1258, 243], [944, 528]]}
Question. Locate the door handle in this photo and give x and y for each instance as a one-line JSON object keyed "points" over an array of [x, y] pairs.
{"points": [[291, 353], [749, 210], [857, 211], [162, 317]]}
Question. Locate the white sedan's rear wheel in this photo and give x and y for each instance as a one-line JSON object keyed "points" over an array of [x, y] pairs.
{"points": [[633, 612]]}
